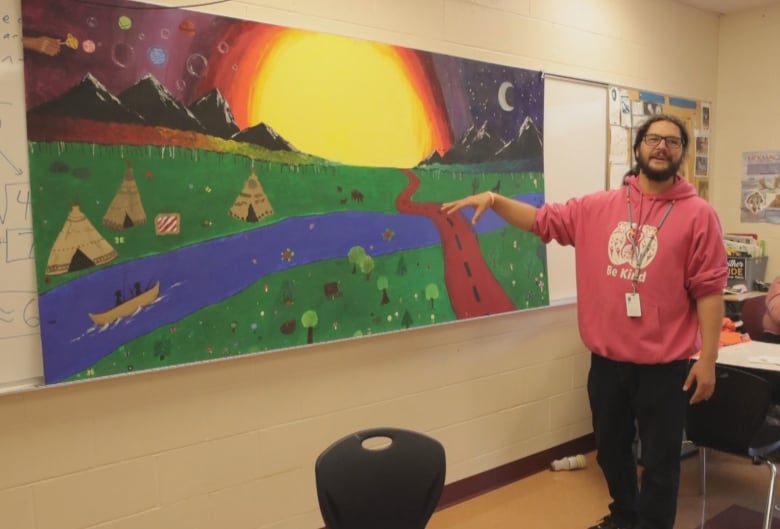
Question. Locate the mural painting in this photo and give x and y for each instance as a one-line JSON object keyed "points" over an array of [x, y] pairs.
{"points": [[206, 187]]}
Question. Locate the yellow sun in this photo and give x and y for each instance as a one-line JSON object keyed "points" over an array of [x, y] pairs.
{"points": [[345, 100]]}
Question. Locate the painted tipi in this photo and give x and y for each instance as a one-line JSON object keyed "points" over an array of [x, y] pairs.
{"points": [[252, 203], [78, 246], [126, 209]]}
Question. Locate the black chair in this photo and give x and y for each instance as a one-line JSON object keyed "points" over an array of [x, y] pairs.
{"points": [[393, 486], [736, 420]]}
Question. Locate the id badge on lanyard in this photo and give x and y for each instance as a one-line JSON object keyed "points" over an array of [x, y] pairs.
{"points": [[633, 306]]}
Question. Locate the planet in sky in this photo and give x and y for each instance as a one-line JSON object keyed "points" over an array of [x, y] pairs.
{"points": [[122, 54], [157, 55], [124, 22], [187, 27]]}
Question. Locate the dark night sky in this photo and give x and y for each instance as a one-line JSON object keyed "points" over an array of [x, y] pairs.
{"points": [[471, 88]]}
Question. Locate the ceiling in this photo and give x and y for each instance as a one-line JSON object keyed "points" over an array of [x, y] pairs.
{"points": [[725, 6]]}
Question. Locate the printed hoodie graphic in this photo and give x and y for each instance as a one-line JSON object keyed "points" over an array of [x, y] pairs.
{"points": [[625, 244]]}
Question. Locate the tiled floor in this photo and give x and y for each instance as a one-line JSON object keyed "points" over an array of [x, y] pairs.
{"points": [[578, 499]]}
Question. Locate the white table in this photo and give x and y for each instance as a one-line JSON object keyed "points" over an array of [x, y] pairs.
{"points": [[752, 355], [742, 297]]}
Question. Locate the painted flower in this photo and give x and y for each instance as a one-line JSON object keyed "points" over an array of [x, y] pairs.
{"points": [[287, 255]]}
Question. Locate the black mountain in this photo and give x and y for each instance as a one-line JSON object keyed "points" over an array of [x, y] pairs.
{"points": [[214, 113], [528, 144], [264, 136], [477, 145], [432, 158], [88, 100], [149, 98]]}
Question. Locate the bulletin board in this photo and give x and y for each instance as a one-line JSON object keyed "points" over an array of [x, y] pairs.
{"points": [[629, 107]]}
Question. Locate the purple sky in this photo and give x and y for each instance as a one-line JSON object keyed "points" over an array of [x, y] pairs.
{"points": [[137, 39]]}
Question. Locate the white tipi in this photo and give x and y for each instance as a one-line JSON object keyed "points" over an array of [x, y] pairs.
{"points": [[126, 209], [78, 245], [252, 203]]}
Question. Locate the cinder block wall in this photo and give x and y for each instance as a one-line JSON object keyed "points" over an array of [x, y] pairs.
{"points": [[233, 443], [747, 114]]}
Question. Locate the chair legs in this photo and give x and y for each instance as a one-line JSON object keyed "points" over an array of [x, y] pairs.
{"points": [[703, 471], [770, 499], [703, 483]]}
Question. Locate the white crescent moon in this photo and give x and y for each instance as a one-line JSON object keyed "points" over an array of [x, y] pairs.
{"points": [[502, 102]]}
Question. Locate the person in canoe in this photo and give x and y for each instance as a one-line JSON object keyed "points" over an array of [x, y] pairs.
{"points": [[127, 307]]}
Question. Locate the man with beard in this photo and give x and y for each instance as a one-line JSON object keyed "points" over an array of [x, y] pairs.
{"points": [[651, 268]]}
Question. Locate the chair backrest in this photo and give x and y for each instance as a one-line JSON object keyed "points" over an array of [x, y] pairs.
{"points": [[729, 420], [751, 313], [395, 486]]}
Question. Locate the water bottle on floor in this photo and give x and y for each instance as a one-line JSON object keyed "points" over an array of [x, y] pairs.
{"points": [[569, 463]]}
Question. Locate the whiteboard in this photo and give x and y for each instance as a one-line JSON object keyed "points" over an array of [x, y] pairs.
{"points": [[575, 161], [575, 140], [21, 362]]}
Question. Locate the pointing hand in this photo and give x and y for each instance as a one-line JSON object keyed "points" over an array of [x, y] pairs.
{"points": [[480, 202]]}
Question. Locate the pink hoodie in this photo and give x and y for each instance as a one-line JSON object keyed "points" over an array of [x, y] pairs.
{"points": [[685, 261]]}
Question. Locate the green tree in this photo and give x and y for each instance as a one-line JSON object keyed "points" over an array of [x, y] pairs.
{"points": [[432, 293], [355, 255], [162, 348], [310, 320], [406, 319], [402, 269], [287, 292], [382, 284], [367, 266]]}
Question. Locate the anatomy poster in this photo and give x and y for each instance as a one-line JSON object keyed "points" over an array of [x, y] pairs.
{"points": [[206, 187]]}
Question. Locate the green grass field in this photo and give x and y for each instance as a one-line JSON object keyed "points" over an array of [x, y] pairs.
{"points": [[285, 309]]}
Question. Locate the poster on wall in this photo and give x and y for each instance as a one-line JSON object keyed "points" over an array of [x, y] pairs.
{"points": [[760, 193], [633, 107], [206, 187]]}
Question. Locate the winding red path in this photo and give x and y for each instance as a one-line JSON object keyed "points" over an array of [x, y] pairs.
{"points": [[471, 285]]}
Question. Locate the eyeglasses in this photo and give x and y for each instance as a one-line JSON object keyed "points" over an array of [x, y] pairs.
{"points": [[672, 142]]}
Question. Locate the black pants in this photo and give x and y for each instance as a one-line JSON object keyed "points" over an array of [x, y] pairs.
{"points": [[624, 395]]}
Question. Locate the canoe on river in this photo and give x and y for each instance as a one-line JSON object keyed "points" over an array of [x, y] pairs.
{"points": [[128, 307]]}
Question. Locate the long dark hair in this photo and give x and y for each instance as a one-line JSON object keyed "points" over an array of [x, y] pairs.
{"points": [[641, 132]]}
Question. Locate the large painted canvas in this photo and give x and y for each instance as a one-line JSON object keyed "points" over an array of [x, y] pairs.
{"points": [[205, 187]]}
